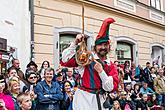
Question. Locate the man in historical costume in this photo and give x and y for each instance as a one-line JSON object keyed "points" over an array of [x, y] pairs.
{"points": [[97, 77]]}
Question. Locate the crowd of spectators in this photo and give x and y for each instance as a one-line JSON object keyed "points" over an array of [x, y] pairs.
{"points": [[48, 89]]}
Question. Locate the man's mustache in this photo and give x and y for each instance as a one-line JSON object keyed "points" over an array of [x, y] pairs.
{"points": [[103, 50]]}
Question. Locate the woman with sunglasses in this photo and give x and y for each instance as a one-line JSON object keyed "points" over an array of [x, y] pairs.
{"points": [[31, 78], [6, 102]]}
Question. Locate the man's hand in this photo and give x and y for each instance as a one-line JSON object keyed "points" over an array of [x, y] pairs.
{"points": [[78, 38], [98, 67]]}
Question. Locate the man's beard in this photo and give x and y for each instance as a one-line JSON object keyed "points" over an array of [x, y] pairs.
{"points": [[102, 52]]}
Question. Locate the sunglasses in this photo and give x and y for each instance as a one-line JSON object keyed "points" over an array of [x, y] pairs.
{"points": [[33, 77], [2, 81], [13, 72]]}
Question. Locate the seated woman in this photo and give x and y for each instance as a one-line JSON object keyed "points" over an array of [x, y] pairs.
{"points": [[6, 102]]}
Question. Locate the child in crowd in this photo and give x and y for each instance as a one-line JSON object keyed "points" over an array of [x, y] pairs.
{"points": [[24, 101]]}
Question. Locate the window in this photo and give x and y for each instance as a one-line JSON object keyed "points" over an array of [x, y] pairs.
{"points": [[157, 51], [65, 41], [120, 54], [124, 52], [3, 44], [156, 4]]}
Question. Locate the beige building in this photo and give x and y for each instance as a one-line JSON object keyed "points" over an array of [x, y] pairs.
{"points": [[138, 35]]}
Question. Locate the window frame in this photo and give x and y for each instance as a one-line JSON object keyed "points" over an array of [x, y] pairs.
{"points": [[71, 35], [154, 4], [131, 49]]}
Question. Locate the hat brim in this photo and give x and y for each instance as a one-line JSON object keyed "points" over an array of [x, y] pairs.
{"points": [[98, 42]]}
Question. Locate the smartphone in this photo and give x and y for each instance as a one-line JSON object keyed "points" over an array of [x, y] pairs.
{"points": [[31, 88]]}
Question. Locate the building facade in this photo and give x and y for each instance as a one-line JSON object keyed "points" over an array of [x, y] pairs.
{"points": [[138, 35], [14, 33]]}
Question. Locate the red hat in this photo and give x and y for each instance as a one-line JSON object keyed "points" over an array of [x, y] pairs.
{"points": [[103, 35]]}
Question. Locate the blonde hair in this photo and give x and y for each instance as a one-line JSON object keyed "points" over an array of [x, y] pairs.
{"points": [[117, 102], [21, 97], [161, 69], [12, 81]]}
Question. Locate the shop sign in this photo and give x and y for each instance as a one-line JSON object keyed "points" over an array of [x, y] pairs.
{"points": [[5, 57]]}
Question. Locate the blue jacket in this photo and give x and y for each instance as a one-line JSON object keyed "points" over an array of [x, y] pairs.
{"points": [[146, 91], [48, 96]]}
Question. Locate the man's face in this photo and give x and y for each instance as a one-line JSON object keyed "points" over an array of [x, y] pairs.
{"points": [[145, 97], [145, 85], [49, 76], [148, 65], [102, 49], [161, 72], [70, 72], [16, 63], [33, 67]]}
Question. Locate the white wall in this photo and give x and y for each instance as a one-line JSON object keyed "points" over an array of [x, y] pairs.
{"points": [[17, 28]]}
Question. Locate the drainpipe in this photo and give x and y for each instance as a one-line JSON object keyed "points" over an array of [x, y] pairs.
{"points": [[31, 9]]}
